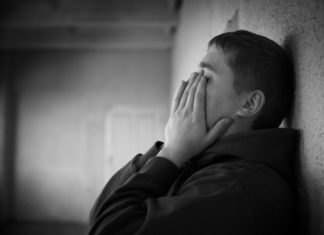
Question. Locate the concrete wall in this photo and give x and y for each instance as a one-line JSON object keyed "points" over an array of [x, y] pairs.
{"points": [[63, 98], [299, 27]]}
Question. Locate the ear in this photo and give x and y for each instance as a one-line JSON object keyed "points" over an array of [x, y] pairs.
{"points": [[252, 104]]}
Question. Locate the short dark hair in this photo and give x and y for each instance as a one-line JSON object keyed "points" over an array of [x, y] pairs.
{"points": [[259, 63]]}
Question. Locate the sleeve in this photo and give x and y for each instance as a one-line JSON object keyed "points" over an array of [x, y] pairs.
{"points": [[119, 178], [207, 203]]}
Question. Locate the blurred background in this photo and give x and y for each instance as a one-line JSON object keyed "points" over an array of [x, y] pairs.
{"points": [[86, 85]]}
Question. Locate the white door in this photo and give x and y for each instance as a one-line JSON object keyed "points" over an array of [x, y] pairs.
{"points": [[129, 131]]}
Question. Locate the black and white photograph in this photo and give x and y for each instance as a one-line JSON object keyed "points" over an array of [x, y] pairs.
{"points": [[161, 117]]}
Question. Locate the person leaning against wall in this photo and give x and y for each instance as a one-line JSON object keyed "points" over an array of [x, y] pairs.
{"points": [[225, 166]]}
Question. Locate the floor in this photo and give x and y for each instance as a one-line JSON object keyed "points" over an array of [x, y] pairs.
{"points": [[37, 228]]}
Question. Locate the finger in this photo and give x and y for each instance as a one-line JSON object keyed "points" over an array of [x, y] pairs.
{"points": [[200, 99], [218, 130], [178, 95], [186, 91], [192, 92]]}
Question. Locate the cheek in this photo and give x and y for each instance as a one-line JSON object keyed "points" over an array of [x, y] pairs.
{"points": [[214, 105], [219, 103], [217, 97]]}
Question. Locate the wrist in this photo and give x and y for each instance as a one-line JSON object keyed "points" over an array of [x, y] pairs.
{"points": [[173, 156]]}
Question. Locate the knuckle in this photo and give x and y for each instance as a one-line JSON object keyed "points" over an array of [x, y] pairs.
{"points": [[186, 112]]}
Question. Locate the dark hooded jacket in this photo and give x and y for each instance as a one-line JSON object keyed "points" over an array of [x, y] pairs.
{"points": [[243, 184]]}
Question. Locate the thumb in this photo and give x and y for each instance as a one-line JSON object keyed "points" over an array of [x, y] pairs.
{"points": [[218, 130]]}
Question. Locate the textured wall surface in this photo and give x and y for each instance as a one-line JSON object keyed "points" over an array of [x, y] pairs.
{"points": [[63, 97], [298, 25], [61, 111]]}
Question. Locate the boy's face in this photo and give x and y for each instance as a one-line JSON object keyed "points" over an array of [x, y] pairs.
{"points": [[221, 98]]}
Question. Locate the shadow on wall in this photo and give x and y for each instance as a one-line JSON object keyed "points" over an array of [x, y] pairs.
{"points": [[290, 45]]}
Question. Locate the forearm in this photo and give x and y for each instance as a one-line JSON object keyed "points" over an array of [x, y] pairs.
{"points": [[122, 175], [125, 208]]}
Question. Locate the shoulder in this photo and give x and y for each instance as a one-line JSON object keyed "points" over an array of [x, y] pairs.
{"points": [[264, 192], [219, 193], [214, 179], [251, 176], [258, 183]]}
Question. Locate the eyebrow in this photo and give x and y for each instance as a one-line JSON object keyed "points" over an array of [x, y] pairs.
{"points": [[207, 65]]}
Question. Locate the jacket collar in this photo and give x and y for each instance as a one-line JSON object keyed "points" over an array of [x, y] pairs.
{"points": [[273, 147]]}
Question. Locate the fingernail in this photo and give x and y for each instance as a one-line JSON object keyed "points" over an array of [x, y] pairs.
{"points": [[194, 75]]}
